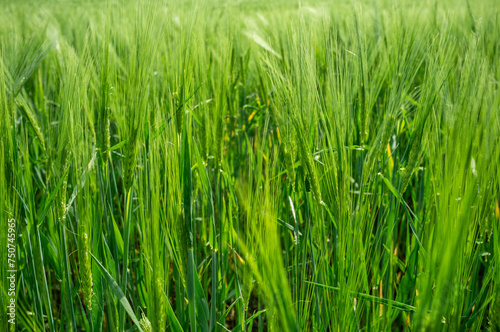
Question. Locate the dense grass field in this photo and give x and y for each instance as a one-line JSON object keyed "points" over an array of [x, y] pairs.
{"points": [[249, 165]]}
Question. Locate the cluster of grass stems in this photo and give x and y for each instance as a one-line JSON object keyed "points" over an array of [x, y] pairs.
{"points": [[251, 166]]}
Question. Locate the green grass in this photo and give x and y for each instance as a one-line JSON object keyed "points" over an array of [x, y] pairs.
{"points": [[251, 166]]}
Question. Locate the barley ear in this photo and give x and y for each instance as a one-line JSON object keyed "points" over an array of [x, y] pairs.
{"points": [[204, 136], [130, 160], [85, 269], [28, 112], [412, 162], [380, 144], [219, 139], [145, 324], [494, 312], [307, 161], [179, 108], [159, 305], [90, 124], [247, 280], [37, 253], [289, 163], [183, 244], [104, 110], [315, 134], [61, 196]]}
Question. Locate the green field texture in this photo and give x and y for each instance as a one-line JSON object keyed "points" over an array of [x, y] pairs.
{"points": [[250, 165]]}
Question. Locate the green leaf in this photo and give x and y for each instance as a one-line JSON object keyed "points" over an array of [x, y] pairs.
{"points": [[410, 212], [118, 293], [50, 199], [116, 146], [381, 300], [249, 320], [174, 322]]}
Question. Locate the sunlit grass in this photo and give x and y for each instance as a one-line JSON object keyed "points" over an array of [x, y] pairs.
{"points": [[251, 166]]}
